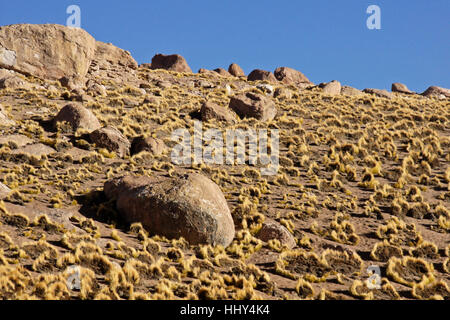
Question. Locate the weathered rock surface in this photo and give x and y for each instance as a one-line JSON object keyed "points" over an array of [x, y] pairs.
{"points": [[51, 51], [5, 121], [236, 70], [253, 105], [211, 110], [4, 191], [153, 145], [400, 88], [379, 93], [332, 88], [262, 75], [208, 72], [222, 72], [111, 139], [191, 206], [173, 62], [13, 82], [266, 88], [282, 93], [437, 92], [350, 91], [291, 76], [78, 116], [17, 140], [272, 230], [46, 51], [37, 150], [106, 52]]}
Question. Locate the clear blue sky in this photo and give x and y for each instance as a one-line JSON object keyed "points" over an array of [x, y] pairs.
{"points": [[325, 39]]}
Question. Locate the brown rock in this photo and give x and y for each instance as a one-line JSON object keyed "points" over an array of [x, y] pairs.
{"points": [[72, 83], [400, 88], [272, 230], [51, 51], [153, 145], [191, 206], [282, 93], [173, 62], [13, 82], [222, 72], [114, 55], [37, 150], [437, 92], [211, 110], [236, 70], [206, 71], [96, 89], [349, 91], [292, 76], [379, 93], [78, 116], [46, 51], [261, 75], [111, 139], [253, 105], [16, 140], [332, 88]]}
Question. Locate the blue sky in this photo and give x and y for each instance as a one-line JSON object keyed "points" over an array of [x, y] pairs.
{"points": [[325, 39]]}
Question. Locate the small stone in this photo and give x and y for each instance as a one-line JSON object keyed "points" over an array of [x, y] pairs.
{"points": [[273, 230]]}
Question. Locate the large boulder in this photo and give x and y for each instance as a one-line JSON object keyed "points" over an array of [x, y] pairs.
{"points": [[253, 105], [437, 92], [111, 139], [262, 75], [236, 70], [46, 51], [173, 62], [291, 76], [50, 51], [190, 206], [211, 110], [400, 88], [78, 117]]}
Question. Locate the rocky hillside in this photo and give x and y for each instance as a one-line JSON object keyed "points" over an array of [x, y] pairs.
{"points": [[90, 190]]}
